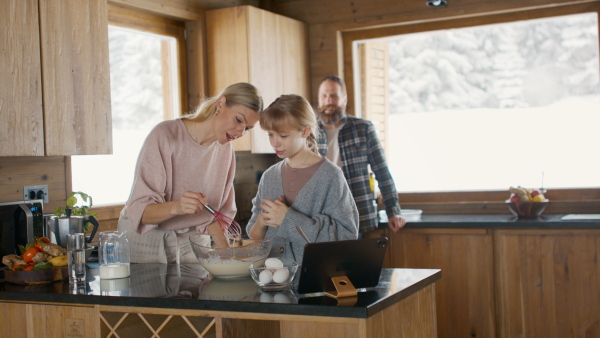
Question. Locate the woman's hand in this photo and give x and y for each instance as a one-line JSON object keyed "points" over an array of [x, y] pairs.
{"points": [[273, 211], [189, 203]]}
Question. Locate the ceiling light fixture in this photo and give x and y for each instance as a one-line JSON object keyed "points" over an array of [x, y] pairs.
{"points": [[437, 3]]}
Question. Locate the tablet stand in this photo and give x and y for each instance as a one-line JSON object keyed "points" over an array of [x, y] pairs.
{"points": [[343, 288]]}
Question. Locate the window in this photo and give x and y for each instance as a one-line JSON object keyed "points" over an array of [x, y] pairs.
{"points": [[482, 108], [144, 91]]}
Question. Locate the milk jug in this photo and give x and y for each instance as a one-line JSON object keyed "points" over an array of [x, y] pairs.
{"points": [[113, 255]]}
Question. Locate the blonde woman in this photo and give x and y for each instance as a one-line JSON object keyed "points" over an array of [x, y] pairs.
{"points": [[186, 163], [305, 194]]}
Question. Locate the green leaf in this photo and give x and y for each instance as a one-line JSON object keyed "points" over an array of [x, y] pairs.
{"points": [[43, 266], [71, 201], [76, 210], [22, 249], [29, 245]]}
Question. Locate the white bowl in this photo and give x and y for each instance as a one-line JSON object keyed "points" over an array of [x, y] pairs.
{"points": [[257, 267], [231, 261]]}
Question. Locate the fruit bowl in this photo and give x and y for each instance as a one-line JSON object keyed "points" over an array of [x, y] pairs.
{"points": [[270, 279], [527, 209], [36, 277], [232, 261]]}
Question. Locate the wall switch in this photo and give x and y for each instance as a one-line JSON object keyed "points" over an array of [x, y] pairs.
{"points": [[35, 192]]}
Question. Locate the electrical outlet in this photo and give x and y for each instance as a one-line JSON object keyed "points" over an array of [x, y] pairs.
{"points": [[35, 192]]}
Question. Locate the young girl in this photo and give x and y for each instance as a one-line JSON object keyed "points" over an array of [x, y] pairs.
{"points": [[304, 195]]}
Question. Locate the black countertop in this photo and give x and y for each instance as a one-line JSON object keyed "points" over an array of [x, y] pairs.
{"points": [[191, 287], [493, 221]]}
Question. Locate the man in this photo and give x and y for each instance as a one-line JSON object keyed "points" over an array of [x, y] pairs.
{"points": [[352, 143]]}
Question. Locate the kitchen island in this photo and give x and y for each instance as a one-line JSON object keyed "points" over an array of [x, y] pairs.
{"points": [[184, 301]]}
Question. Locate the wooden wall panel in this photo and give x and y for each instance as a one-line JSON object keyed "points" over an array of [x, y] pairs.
{"points": [[17, 172]]}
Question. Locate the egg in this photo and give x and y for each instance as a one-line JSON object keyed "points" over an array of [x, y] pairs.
{"points": [[273, 263], [282, 298], [281, 275], [266, 298], [265, 276]]}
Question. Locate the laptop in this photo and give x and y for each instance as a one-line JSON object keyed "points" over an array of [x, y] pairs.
{"points": [[359, 260]]}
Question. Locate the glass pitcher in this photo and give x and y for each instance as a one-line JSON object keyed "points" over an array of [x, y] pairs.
{"points": [[113, 255]]}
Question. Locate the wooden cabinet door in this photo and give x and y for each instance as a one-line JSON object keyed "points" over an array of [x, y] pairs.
{"points": [[76, 84], [266, 68], [48, 321], [227, 55], [465, 294], [247, 44], [548, 282], [294, 57], [21, 114]]}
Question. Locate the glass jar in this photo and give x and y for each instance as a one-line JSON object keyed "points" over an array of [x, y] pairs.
{"points": [[113, 255]]}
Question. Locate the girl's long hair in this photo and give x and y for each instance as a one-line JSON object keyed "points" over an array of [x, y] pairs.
{"points": [[291, 111]]}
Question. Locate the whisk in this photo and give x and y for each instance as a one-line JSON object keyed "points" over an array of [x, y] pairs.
{"points": [[231, 228]]}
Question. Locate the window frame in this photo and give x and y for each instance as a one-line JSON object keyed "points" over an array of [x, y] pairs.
{"points": [[134, 19], [586, 200]]}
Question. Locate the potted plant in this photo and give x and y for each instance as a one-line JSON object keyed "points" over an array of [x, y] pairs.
{"points": [[77, 210]]}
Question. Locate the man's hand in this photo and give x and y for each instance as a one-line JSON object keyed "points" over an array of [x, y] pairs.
{"points": [[396, 223]]}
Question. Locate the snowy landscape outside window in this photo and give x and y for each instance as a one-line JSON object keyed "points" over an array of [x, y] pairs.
{"points": [[136, 80], [489, 107]]}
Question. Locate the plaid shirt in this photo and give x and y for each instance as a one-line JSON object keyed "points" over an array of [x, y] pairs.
{"points": [[360, 147]]}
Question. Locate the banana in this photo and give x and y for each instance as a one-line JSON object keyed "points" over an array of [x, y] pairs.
{"points": [[59, 261]]}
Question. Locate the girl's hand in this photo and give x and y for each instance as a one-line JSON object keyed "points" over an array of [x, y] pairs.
{"points": [[189, 203], [273, 211]]}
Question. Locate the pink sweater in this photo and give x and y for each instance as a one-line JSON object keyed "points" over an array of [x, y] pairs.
{"points": [[171, 163]]}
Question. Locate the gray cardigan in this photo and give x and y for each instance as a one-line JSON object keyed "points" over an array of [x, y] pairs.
{"points": [[324, 209]]}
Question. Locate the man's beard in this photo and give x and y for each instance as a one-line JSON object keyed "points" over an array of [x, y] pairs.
{"points": [[333, 118]]}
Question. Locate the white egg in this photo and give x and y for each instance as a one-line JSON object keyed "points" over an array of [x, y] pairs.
{"points": [[282, 298], [281, 275], [265, 276], [266, 298], [273, 263]]}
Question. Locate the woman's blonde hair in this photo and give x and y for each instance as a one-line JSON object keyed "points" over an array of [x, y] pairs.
{"points": [[291, 111], [239, 93]]}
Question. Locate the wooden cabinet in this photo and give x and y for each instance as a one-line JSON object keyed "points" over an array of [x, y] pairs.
{"points": [[547, 282], [508, 282], [48, 321], [55, 90], [465, 294], [21, 114], [247, 44]]}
